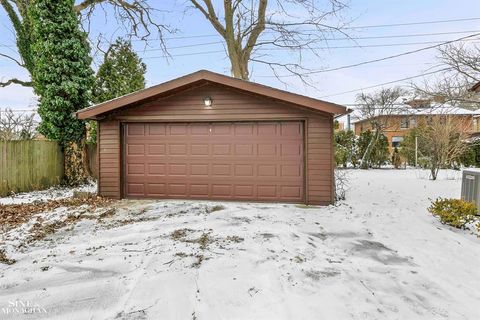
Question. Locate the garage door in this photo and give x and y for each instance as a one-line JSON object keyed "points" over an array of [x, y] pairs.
{"points": [[222, 161]]}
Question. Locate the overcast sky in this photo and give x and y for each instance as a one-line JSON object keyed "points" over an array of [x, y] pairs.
{"points": [[203, 51]]}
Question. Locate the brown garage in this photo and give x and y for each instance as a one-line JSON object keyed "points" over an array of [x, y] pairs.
{"points": [[209, 136]]}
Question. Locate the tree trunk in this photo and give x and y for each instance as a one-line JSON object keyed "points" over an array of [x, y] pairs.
{"points": [[75, 162], [366, 156], [238, 62], [434, 169], [239, 69]]}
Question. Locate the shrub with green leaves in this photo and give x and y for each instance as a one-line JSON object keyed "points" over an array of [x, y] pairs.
{"points": [[379, 155], [454, 212], [345, 145]]}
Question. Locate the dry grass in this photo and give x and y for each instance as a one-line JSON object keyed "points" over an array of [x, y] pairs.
{"points": [[179, 234], [13, 215], [4, 259], [235, 239], [217, 207]]}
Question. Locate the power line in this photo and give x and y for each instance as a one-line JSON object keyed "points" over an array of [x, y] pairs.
{"points": [[402, 35], [349, 28], [377, 60], [183, 54], [319, 48], [386, 83], [286, 48], [332, 39], [411, 23], [367, 45]]}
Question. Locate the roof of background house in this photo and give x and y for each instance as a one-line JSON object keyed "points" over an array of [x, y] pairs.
{"points": [[202, 77], [434, 109]]}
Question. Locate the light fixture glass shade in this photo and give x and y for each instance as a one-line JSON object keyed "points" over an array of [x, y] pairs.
{"points": [[207, 101]]}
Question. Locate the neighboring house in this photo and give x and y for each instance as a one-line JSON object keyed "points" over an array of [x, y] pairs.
{"points": [[398, 124], [347, 121], [209, 136]]}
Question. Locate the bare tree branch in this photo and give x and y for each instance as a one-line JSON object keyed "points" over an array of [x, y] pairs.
{"points": [[211, 16], [250, 24], [137, 16], [376, 109], [16, 81], [452, 85], [20, 126], [13, 59]]}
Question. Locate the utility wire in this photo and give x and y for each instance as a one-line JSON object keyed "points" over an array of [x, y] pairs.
{"points": [[411, 23], [332, 39], [354, 27], [437, 44], [377, 60], [349, 28], [386, 83], [290, 48]]}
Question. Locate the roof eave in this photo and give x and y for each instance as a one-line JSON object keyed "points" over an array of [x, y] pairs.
{"points": [[95, 111]]}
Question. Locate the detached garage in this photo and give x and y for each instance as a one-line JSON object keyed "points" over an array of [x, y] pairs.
{"points": [[209, 136]]}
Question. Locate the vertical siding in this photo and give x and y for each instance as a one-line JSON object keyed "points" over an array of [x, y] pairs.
{"points": [[319, 160], [229, 105], [109, 159]]}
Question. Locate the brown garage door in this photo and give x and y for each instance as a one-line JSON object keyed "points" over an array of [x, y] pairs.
{"points": [[227, 160]]}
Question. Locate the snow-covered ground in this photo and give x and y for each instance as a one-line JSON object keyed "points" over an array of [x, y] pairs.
{"points": [[48, 194], [377, 255]]}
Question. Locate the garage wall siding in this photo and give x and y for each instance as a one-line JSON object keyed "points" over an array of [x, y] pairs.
{"points": [[109, 159], [228, 105]]}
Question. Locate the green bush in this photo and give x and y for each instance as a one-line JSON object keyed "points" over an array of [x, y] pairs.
{"points": [[424, 162], [379, 155], [345, 144], [454, 212], [471, 156]]}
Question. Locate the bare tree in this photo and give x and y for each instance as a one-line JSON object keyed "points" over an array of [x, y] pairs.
{"points": [[342, 184], [136, 16], [443, 138], [17, 126], [249, 25], [376, 109], [462, 61]]}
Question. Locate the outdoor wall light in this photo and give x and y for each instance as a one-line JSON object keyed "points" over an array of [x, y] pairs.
{"points": [[207, 101]]}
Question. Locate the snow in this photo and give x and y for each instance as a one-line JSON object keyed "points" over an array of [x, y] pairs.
{"points": [[444, 109], [377, 255], [56, 192], [433, 109]]}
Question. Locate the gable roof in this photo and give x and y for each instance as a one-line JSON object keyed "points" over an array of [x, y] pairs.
{"points": [[209, 77]]}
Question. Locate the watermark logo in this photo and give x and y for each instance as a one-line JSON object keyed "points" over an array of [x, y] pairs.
{"points": [[22, 307]]}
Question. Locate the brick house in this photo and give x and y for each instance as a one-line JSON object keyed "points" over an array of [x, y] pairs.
{"points": [[415, 113]]}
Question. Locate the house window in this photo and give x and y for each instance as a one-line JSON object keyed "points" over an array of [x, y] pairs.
{"points": [[413, 123], [396, 141], [404, 123]]}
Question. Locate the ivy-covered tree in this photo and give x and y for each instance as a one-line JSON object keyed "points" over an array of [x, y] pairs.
{"points": [[136, 17], [63, 79], [122, 72]]}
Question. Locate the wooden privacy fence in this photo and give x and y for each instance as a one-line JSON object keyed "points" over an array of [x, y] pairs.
{"points": [[92, 160], [29, 165]]}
